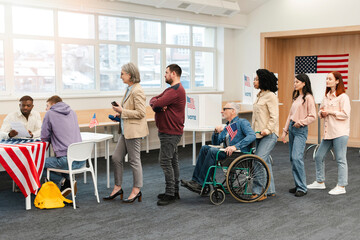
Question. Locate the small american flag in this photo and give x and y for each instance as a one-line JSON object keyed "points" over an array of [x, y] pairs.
{"points": [[94, 122], [232, 130], [190, 102], [323, 64], [247, 81]]}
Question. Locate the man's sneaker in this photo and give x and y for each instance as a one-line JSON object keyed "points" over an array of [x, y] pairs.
{"points": [[66, 188], [166, 200], [316, 185], [337, 190], [185, 183], [162, 195], [194, 187]]}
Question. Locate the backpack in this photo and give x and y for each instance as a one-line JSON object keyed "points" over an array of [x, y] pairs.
{"points": [[49, 196]]}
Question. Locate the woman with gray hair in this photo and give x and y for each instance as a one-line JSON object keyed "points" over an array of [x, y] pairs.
{"points": [[132, 127]]}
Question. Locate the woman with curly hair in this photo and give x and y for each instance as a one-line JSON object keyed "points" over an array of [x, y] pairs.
{"points": [[302, 113], [265, 120]]}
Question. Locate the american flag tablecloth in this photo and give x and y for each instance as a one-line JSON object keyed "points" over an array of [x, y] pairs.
{"points": [[24, 161]]}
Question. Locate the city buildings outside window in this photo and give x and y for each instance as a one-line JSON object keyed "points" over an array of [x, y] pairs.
{"points": [[45, 50]]}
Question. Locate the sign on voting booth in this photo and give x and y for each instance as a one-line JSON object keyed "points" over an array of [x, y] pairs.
{"points": [[203, 110]]}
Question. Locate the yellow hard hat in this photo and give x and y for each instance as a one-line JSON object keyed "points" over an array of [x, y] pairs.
{"points": [[49, 196]]}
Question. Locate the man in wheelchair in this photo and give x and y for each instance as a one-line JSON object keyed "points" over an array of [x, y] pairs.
{"points": [[236, 135]]}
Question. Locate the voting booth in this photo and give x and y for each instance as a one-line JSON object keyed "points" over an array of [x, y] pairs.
{"points": [[202, 114], [203, 110]]}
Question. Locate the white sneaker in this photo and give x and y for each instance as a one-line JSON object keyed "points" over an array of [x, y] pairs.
{"points": [[316, 185], [337, 190]]}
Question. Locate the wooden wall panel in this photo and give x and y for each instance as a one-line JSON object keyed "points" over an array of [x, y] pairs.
{"points": [[279, 56]]}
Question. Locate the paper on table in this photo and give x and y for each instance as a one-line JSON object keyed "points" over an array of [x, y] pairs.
{"points": [[20, 128]]}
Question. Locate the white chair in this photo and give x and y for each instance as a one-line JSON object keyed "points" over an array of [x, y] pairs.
{"points": [[78, 152]]}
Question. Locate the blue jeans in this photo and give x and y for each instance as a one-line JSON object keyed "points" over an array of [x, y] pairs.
{"points": [[264, 146], [206, 158], [340, 147], [60, 163], [297, 143]]}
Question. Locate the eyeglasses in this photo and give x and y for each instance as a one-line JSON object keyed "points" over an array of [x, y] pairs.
{"points": [[226, 108]]}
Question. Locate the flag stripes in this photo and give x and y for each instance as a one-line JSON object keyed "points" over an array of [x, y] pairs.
{"points": [[24, 163], [323, 64]]}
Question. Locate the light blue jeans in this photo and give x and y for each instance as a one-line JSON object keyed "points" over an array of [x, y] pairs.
{"points": [[60, 163], [264, 146], [340, 147], [297, 143]]}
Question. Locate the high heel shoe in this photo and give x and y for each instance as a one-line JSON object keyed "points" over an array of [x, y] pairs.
{"points": [[138, 196], [111, 197]]}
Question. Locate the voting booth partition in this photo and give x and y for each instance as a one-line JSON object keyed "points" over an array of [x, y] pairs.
{"points": [[203, 110], [202, 114]]}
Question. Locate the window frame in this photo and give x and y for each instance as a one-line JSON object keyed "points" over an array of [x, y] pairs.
{"points": [[8, 37]]}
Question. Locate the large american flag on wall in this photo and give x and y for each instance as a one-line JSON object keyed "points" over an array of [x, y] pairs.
{"points": [[24, 162], [323, 64]]}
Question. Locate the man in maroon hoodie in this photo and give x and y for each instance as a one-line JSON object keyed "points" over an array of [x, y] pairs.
{"points": [[169, 108]]}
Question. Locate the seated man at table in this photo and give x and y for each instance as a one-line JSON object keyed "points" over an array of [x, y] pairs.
{"points": [[60, 128], [25, 115], [237, 135]]}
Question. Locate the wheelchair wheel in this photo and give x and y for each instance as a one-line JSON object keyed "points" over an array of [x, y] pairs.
{"points": [[248, 178], [217, 196]]}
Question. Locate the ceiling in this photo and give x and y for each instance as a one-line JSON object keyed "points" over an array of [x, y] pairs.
{"points": [[247, 6], [226, 8]]}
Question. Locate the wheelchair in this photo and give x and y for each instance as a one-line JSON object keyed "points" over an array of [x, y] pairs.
{"points": [[247, 178]]}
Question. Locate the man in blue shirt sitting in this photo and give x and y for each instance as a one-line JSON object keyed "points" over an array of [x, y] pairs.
{"points": [[236, 135]]}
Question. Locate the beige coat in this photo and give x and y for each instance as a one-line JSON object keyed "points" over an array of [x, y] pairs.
{"points": [[266, 113], [134, 113]]}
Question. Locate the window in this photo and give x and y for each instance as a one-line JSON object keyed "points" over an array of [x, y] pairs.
{"points": [[34, 66], [78, 67], [147, 31], [76, 25], [58, 51], [203, 36], [149, 64], [114, 28], [2, 70], [112, 57], [180, 56], [33, 21], [204, 69], [177, 34]]}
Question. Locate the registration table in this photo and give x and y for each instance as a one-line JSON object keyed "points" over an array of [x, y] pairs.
{"points": [[24, 161], [97, 138]]}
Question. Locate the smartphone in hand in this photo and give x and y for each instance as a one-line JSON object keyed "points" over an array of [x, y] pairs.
{"points": [[114, 104]]}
